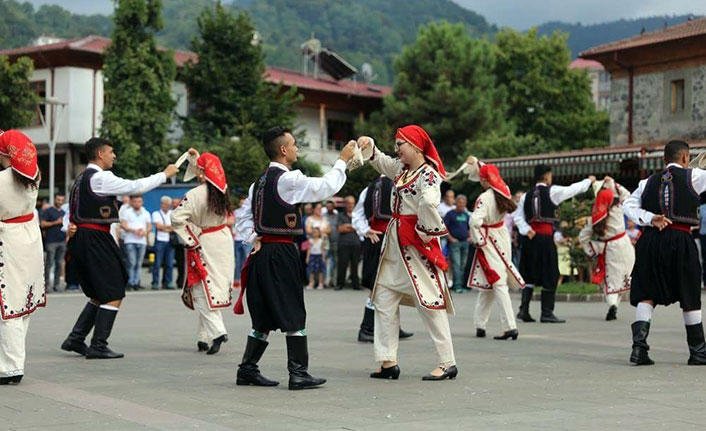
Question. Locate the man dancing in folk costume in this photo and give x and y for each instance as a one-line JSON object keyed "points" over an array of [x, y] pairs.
{"points": [[604, 239], [491, 269], [21, 251], [371, 216], [411, 270], [536, 213], [94, 255], [269, 219], [200, 222], [667, 268]]}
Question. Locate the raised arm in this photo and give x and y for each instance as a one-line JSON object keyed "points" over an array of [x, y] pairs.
{"points": [[560, 194], [106, 183], [380, 161], [295, 187]]}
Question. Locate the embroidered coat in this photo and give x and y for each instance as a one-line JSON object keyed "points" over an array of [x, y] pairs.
{"points": [[403, 268], [189, 219], [21, 251], [619, 253]]}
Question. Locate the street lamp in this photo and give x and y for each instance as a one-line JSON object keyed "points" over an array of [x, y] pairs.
{"points": [[56, 122]]}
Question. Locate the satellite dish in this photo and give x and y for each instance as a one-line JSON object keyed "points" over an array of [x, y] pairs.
{"points": [[366, 70]]}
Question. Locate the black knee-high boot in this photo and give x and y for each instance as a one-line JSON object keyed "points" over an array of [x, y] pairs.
{"points": [[524, 313], [697, 345], [298, 364], [548, 299], [367, 326], [101, 332], [75, 342], [248, 371], [640, 331]]}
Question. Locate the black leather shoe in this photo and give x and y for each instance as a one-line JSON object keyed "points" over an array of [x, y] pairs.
{"points": [[392, 373], [75, 342], [551, 319], [640, 331], [101, 331], [612, 313], [449, 373], [405, 334], [513, 333], [298, 365], [365, 336], [202, 346], [480, 333], [216, 346], [248, 371], [10, 380], [523, 313], [697, 345]]}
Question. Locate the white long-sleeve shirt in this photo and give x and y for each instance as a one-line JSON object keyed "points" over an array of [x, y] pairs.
{"points": [[293, 187], [557, 194], [359, 221], [632, 207]]}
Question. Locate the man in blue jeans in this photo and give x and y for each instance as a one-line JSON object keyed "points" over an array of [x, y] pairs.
{"points": [[136, 223], [163, 249], [456, 221]]}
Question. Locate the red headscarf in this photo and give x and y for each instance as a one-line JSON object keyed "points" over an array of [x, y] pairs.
{"points": [[416, 136], [601, 205], [213, 170], [491, 174], [21, 151]]}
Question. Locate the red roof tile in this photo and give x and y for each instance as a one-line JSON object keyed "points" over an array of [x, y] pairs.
{"points": [[581, 63], [325, 83], [696, 27]]}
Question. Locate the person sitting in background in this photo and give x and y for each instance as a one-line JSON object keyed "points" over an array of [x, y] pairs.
{"points": [[136, 223], [456, 221], [163, 244]]}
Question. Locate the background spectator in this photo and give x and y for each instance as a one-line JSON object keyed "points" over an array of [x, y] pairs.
{"points": [[315, 259], [136, 224], [456, 221], [448, 202], [348, 247], [179, 252], [330, 213], [242, 250], [52, 219], [163, 245]]}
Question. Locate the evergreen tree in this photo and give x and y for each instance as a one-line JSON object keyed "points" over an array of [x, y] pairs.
{"points": [[17, 100], [139, 108], [229, 97]]}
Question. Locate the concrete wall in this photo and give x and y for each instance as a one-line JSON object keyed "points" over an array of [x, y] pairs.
{"points": [[652, 116]]}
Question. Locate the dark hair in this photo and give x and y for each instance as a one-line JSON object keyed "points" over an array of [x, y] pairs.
{"points": [[28, 183], [504, 204], [599, 228], [135, 196], [540, 171], [218, 202], [93, 146], [272, 140], [674, 150]]}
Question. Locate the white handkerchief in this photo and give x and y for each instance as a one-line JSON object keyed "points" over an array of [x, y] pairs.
{"points": [[465, 168], [191, 170], [699, 161], [357, 160]]}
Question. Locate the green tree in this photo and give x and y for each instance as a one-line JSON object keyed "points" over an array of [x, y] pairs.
{"points": [[229, 97], [17, 101], [139, 108], [549, 103], [444, 83]]}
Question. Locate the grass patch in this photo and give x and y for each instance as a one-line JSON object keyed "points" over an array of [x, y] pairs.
{"points": [[578, 287]]}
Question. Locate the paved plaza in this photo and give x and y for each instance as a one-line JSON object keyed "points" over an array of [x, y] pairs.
{"points": [[574, 376]]}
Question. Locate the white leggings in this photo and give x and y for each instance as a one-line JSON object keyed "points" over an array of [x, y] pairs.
{"points": [[211, 324], [12, 346], [484, 303]]}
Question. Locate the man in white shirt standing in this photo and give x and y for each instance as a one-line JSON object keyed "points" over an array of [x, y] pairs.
{"points": [[136, 223], [163, 249], [95, 257]]}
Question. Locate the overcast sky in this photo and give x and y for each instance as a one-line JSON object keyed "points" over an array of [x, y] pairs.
{"points": [[520, 14]]}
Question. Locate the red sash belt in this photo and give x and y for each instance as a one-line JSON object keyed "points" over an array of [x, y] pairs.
{"points": [[20, 219], [408, 237], [542, 228], [379, 225], [100, 227], [489, 272], [494, 226], [238, 308], [213, 229], [195, 269], [680, 226], [598, 275]]}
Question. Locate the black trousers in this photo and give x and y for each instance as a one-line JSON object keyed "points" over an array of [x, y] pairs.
{"points": [[702, 240], [348, 254], [179, 256]]}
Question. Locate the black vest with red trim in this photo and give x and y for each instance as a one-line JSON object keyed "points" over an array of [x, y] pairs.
{"points": [[88, 207], [378, 199], [539, 207], [671, 193], [271, 214]]}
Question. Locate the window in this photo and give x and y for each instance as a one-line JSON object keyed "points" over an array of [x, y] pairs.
{"points": [[677, 96], [40, 89], [339, 133]]}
